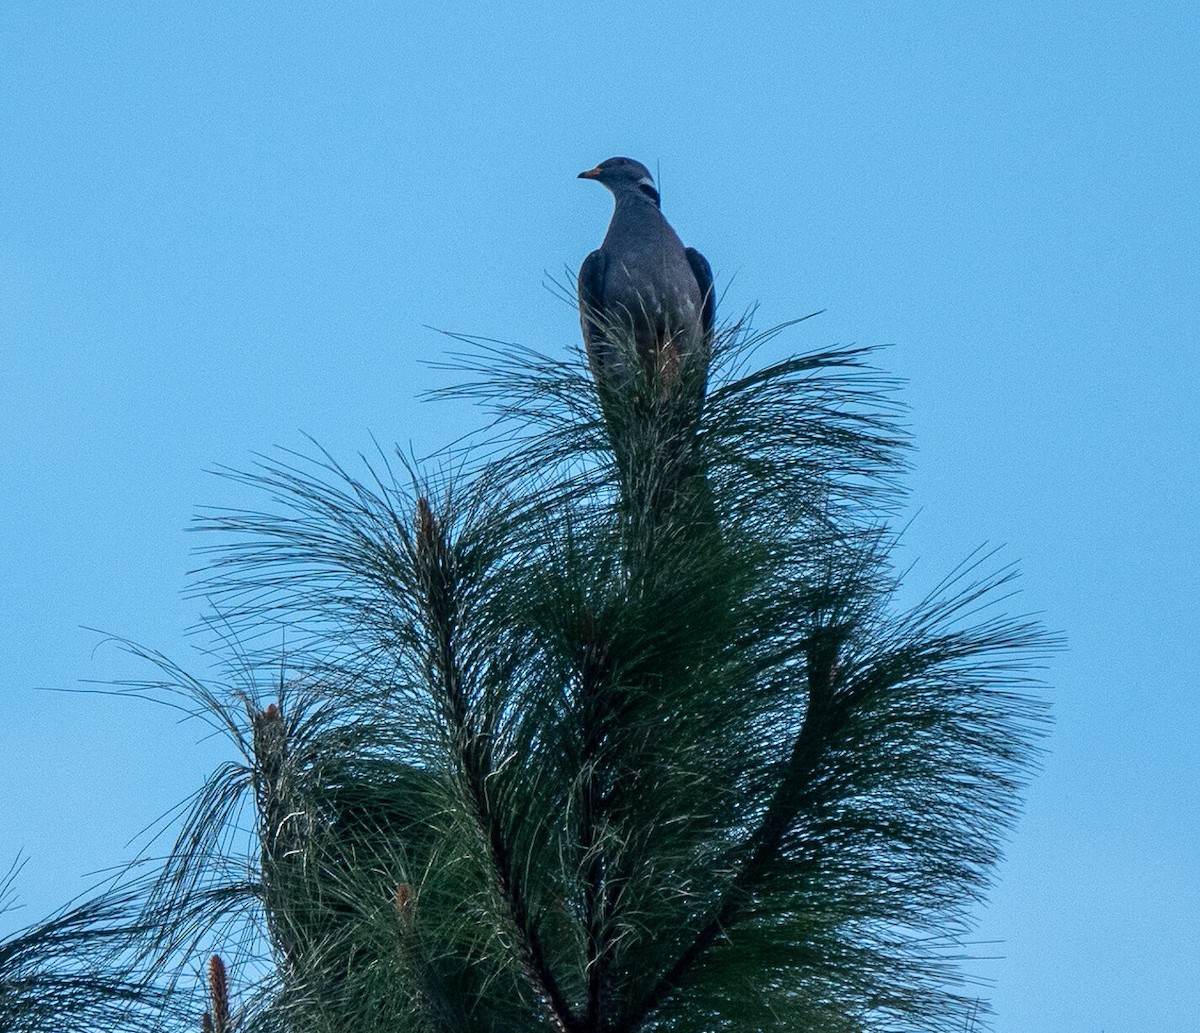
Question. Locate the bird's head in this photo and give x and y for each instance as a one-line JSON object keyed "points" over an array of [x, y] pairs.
{"points": [[624, 176]]}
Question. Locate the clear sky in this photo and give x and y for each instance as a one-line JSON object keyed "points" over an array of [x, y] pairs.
{"points": [[220, 230]]}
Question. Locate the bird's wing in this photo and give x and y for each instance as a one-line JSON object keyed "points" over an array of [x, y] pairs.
{"points": [[704, 279], [591, 294], [592, 315]]}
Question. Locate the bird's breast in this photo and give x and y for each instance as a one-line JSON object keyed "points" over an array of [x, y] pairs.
{"points": [[649, 284]]}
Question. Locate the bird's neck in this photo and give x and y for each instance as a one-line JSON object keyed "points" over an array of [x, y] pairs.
{"points": [[643, 194], [634, 214], [637, 219]]}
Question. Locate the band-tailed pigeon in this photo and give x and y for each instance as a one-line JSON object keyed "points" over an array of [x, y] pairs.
{"points": [[642, 285]]}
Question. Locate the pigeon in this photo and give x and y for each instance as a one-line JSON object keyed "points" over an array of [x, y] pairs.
{"points": [[643, 287]]}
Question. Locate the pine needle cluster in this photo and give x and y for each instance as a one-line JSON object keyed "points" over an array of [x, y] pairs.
{"points": [[74, 970]]}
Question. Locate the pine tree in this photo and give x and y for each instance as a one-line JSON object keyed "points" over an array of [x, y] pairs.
{"points": [[611, 723]]}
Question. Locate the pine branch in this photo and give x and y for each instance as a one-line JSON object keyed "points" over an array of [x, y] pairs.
{"points": [[436, 567], [763, 844]]}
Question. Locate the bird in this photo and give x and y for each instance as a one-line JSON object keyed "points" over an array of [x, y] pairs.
{"points": [[643, 288]]}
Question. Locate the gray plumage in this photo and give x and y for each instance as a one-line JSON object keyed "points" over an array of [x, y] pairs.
{"points": [[643, 286]]}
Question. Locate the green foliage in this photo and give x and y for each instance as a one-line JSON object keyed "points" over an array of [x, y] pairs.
{"points": [[71, 971], [612, 723]]}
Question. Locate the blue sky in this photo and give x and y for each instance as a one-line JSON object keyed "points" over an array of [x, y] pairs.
{"points": [[223, 229]]}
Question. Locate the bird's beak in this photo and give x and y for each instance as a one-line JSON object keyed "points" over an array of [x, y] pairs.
{"points": [[591, 173]]}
